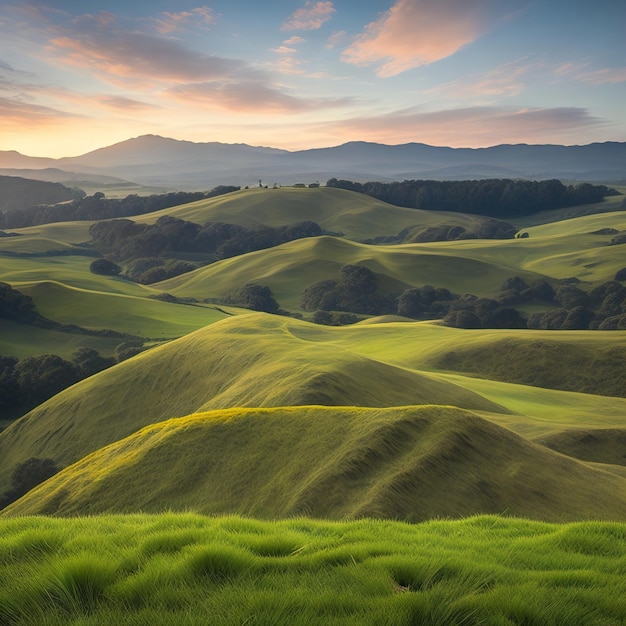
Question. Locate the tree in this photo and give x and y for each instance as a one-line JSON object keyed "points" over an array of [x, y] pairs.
{"points": [[41, 377], [462, 319], [15, 305], [27, 475], [255, 297], [104, 267], [570, 296]]}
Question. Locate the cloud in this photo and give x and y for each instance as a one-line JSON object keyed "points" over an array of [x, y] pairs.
{"points": [[472, 126], [123, 57], [506, 80], [172, 22], [292, 41], [13, 112], [419, 32], [309, 17], [122, 103], [336, 39], [283, 50], [251, 97], [601, 76]]}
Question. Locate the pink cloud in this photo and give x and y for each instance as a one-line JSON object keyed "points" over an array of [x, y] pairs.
{"points": [[609, 75], [171, 22], [114, 54], [472, 126], [122, 103], [14, 113], [250, 97], [309, 17], [419, 32], [506, 80], [292, 41]]}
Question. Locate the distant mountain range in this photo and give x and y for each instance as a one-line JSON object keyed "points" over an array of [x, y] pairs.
{"points": [[173, 164]]}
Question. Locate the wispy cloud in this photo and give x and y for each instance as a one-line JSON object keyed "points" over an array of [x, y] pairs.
{"points": [[599, 76], [292, 41], [14, 113], [171, 22], [116, 55], [121, 103], [251, 97], [505, 81], [309, 17], [419, 32], [472, 126]]}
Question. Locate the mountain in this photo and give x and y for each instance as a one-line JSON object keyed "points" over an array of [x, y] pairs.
{"points": [[155, 160]]}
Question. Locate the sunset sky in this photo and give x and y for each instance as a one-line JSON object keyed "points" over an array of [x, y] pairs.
{"points": [[76, 75]]}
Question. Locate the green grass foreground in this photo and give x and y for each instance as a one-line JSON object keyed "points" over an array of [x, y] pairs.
{"points": [[188, 569]]}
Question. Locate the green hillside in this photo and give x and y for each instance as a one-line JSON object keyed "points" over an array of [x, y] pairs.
{"points": [[554, 397], [413, 463], [260, 360], [174, 569], [250, 360], [355, 215]]}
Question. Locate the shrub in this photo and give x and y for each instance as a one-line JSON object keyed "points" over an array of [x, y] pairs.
{"points": [[27, 475], [462, 319], [255, 297], [104, 267]]}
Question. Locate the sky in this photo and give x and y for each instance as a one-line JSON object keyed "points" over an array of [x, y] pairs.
{"points": [[77, 75]]}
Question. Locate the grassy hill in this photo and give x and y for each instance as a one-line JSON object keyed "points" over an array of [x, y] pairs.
{"points": [[354, 215], [554, 394], [259, 360], [331, 463], [250, 360]]}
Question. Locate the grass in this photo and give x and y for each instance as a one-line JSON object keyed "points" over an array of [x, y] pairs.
{"points": [[355, 215], [125, 313], [331, 462], [187, 569], [259, 360]]}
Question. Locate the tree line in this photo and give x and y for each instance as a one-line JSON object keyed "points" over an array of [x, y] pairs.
{"points": [[98, 207], [490, 197], [356, 291]]}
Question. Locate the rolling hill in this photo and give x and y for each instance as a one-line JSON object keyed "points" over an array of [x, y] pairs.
{"points": [[521, 422], [340, 463]]}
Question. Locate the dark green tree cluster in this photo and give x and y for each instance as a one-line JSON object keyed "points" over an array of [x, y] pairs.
{"points": [[255, 297], [487, 228], [470, 311], [28, 382], [144, 248], [492, 197], [602, 308], [27, 475], [355, 291], [97, 207], [15, 305]]}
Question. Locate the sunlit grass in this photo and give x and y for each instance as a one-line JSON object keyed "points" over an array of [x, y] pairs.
{"points": [[412, 463], [481, 570]]}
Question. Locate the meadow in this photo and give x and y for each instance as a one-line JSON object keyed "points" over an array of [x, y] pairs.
{"points": [[251, 468], [190, 569]]}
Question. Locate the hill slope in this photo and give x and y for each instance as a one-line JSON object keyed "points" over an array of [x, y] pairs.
{"points": [[411, 463], [18, 193], [246, 361]]}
